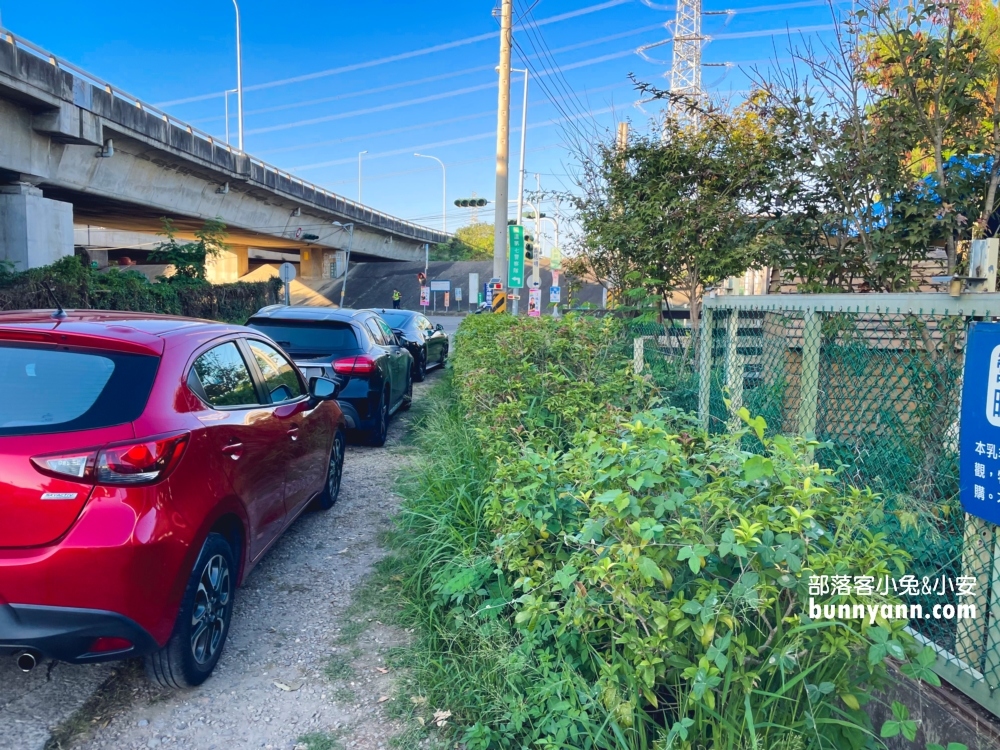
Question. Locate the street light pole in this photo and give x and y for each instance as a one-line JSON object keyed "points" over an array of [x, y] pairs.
{"points": [[228, 92], [524, 131], [503, 145], [359, 174], [347, 261], [239, 79], [444, 189]]}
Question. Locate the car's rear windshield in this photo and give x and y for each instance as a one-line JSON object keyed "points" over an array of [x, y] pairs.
{"points": [[46, 389], [395, 320], [312, 338]]}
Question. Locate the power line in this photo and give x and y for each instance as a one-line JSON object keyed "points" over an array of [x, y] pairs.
{"points": [[394, 58], [439, 144], [421, 126], [424, 99], [430, 79]]}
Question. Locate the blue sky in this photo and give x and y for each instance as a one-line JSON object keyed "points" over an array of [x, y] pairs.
{"points": [[352, 100]]}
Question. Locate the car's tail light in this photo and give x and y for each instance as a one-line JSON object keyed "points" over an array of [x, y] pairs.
{"points": [[142, 462], [360, 365]]}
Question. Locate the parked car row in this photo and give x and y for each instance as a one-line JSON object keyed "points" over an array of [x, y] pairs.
{"points": [[148, 462]]}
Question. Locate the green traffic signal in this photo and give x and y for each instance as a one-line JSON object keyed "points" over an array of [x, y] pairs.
{"points": [[471, 202]]}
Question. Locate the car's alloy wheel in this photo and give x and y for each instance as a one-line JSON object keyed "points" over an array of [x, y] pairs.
{"points": [[211, 599], [334, 473], [202, 622]]}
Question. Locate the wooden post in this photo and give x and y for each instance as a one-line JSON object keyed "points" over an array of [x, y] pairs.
{"points": [[705, 366], [809, 375]]}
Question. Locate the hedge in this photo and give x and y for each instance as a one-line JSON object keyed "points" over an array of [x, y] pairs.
{"points": [[78, 286]]}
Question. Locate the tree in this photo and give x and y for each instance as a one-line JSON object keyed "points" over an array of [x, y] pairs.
{"points": [[472, 242], [189, 259], [885, 143], [680, 209]]}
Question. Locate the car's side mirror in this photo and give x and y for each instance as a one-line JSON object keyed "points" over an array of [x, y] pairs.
{"points": [[323, 389], [399, 333], [439, 327]]}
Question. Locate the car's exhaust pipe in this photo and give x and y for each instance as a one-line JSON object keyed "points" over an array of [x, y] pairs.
{"points": [[26, 661]]}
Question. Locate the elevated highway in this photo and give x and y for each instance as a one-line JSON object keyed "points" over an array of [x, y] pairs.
{"points": [[76, 150]]}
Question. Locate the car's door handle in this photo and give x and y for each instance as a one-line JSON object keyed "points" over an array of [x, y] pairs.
{"points": [[293, 433], [234, 450]]}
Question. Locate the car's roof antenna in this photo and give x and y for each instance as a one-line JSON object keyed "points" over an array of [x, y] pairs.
{"points": [[59, 314]]}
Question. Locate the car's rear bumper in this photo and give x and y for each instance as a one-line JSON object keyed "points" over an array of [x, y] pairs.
{"points": [[68, 633]]}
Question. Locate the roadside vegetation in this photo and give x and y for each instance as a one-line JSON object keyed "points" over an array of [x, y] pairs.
{"points": [[585, 568], [71, 283]]}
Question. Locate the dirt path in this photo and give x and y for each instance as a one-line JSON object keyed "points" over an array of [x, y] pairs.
{"points": [[298, 662]]}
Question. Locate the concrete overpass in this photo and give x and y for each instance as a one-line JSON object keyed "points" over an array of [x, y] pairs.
{"points": [[74, 149]]}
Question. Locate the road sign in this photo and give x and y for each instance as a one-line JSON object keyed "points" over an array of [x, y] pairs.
{"points": [[447, 300], [440, 285], [554, 295], [474, 285], [515, 264], [499, 301], [458, 294], [555, 259], [979, 428], [425, 296], [534, 302]]}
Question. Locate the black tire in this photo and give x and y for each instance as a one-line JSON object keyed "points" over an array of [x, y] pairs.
{"points": [[408, 395], [444, 355], [334, 473], [421, 366], [202, 622], [381, 430]]}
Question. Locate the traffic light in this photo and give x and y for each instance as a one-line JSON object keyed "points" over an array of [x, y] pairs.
{"points": [[471, 202], [422, 278], [529, 246]]}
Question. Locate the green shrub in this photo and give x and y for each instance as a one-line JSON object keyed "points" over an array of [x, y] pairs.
{"points": [[590, 570], [77, 286]]}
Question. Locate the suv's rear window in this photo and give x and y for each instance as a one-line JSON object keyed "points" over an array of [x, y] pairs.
{"points": [[47, 389], [318, 338]]}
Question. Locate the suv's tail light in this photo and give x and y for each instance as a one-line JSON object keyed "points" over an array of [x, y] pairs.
{"points": [[361, 365], [142, 462]]}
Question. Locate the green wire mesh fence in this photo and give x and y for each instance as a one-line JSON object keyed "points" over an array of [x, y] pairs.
{"points": [[881, 391]]}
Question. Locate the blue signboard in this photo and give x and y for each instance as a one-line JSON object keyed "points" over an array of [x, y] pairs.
{"points": [[979, 434]]}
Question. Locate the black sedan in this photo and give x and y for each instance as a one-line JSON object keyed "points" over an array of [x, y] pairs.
{"points": [[428, 344], [354, 347]]}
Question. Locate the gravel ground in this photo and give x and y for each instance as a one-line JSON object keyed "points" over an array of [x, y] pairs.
{"points": [[290, 626]]}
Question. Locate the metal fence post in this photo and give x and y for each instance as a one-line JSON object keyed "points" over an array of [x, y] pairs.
{"points": [[734, 366], [638, 354], [705, 366], [809, 380]]}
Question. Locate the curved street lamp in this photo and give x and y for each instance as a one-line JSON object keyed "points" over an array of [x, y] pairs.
{"points": [[239, 79]]}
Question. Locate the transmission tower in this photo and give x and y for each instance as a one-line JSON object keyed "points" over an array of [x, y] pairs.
{"points": [[685, 70]]}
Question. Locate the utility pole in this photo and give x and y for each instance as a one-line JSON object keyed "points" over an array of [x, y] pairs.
{"points": [[503, 146], [239, 78]]}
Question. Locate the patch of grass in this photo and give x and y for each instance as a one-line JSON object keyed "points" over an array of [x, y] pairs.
{"points": [[339, 667], [114, 695], [351, 630], [344, 695], [319, 741]]}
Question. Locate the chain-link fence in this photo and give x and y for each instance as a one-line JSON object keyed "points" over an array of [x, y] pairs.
{"points": [[877, 379]]}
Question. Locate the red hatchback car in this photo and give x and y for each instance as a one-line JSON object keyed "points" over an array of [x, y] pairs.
{"points": [[146, 464]]}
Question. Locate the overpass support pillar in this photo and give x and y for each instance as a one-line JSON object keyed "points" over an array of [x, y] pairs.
{"points": [[34, 230]]}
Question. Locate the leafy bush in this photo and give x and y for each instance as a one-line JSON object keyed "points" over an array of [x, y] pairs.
{"points": [[590, 570], [75, 285]]}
